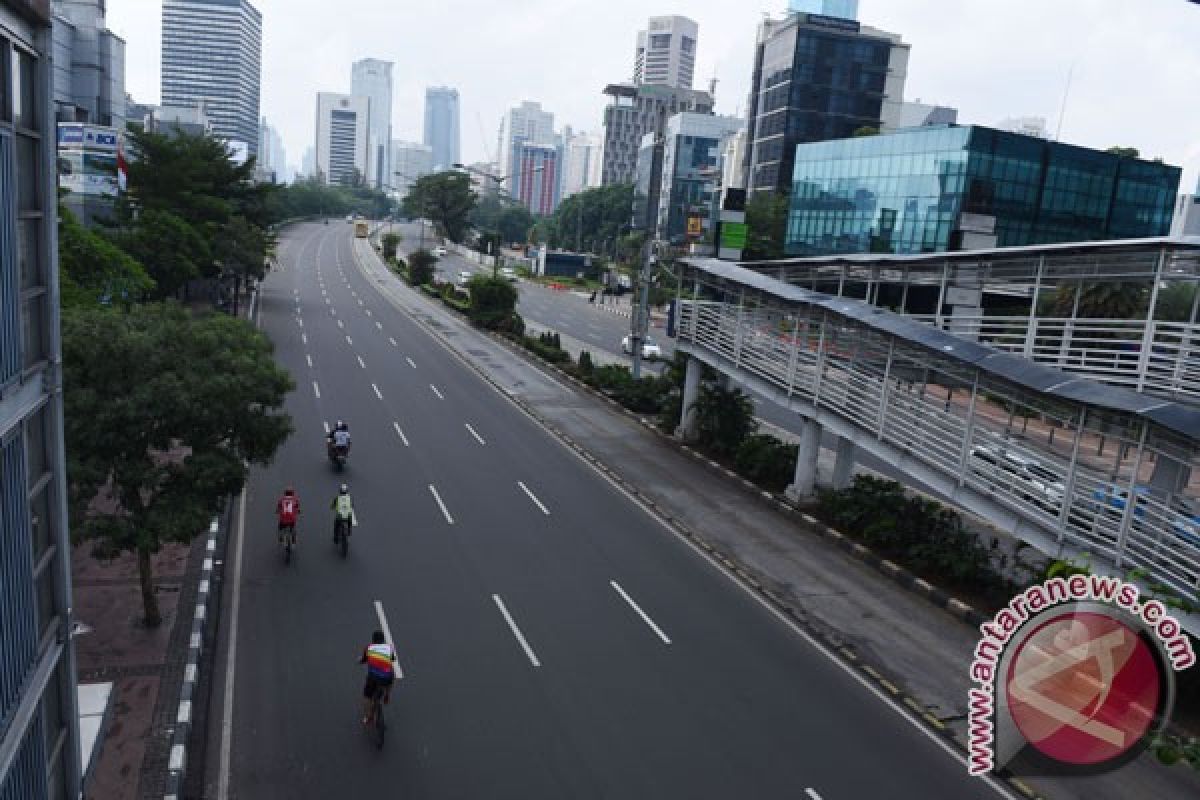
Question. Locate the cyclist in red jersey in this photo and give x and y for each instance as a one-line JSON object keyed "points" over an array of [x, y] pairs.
{"points": [[288, 510]]}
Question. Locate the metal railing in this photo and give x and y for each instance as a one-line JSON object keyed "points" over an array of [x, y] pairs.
{"points": [[1055, 466]]}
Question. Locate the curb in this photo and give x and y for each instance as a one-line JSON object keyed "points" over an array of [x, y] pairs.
{"points": [[728, 561], [177, 765]]}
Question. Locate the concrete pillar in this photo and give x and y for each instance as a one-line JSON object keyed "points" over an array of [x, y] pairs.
{"points": [[843, 464], [804, 483], [691, 392]]}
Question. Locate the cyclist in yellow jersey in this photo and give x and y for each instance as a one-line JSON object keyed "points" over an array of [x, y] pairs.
{"points": [[343, 510]]}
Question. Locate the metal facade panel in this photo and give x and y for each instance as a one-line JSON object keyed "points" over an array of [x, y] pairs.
{"points": [[10, 300], [26, 777], [18, 625]]}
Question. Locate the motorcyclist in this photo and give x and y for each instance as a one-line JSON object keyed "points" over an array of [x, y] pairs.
{"points": [[338, 439]]}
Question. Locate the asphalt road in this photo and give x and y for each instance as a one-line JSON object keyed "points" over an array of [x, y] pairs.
{"points": [[556, 641]]}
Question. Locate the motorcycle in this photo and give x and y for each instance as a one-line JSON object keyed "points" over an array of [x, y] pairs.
{"points": [[337, 455]]}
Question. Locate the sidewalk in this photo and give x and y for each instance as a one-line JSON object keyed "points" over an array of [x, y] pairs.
{"points": [[923, 650]]}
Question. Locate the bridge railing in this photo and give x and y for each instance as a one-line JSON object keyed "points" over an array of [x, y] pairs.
{"points": [[1065, 467]]}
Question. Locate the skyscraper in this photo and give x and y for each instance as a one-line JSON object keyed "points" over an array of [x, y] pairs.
{"points": [[89, 79], [373, 78], [843, 9], [816, 77], [536, 177], [525, 124], [581, 161], [634, 111], [39, 730], [666, 53], [212, 54], [342, 135], [410, 160], [441, 125]]}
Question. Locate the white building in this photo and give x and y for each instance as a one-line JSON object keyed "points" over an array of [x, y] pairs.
{"points": [[342, 121], [1029, 126], [666, 52], [373, 78], [733, 161], [410, 160], [915, 114], [271, 156], [581, 161], [1186, 221], [525, 124], [212, 54]]}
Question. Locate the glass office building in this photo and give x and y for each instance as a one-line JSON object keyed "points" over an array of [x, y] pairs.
{"points": [[39, 740], [926, 190]]}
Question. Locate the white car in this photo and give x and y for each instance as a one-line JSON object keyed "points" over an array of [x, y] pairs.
{"points": [[464, 277], [509, 273], [439, 251], [650, 348]]}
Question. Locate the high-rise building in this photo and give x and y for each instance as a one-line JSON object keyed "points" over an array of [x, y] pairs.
{"points": [[271, 156], [634, 111], [342, 136], [441, 126], [581, 161], [915, 114], [537, 177], [308, 162], [39, 730], [733, 161], [691, 155], [212, 54], [928, 190], [525, 124], [410, 160], [666, 52], [89, 65], [373, 78], [816, 77], [1186, 221], [843, 9], [1028, 126]]}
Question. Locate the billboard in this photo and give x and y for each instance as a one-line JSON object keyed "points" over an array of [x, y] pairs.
{"points": [[88, 159]]}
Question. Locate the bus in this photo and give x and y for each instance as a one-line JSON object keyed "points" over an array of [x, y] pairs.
{"points": [[360, 229]]}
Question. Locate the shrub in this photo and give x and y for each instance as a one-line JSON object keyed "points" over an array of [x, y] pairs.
{"points": [[493, 301], [766, 461], [420, 267], [390, 243], [724, 418], [642, 396], [585, 366]]}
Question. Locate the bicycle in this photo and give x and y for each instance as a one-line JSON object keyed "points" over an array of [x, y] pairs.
{"points": [[379, 726], [341, 535], [288, 542]]}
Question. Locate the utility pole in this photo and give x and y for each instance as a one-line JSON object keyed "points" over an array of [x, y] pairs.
{"points": [[640, 319]]}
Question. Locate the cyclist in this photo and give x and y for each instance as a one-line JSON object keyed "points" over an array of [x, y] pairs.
{"points": [[380, 659], [287, 509], [343, 510]]}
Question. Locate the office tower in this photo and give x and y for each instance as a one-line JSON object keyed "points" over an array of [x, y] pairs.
{"points": [[1030, 126], [816, 78], [342, 135], [581, 161], [928, 190], [634, 111], [915, 114], [536, 177], [272, 158], [843, 9], [410, 160], [39, 730], [211, 55], [89, 70], [666, 53], [691, 153], [525, 124], [308, 162], [373, 78], [441, 126]]}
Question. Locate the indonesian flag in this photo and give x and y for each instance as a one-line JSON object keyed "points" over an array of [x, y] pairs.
{"points": [[122, 170]]}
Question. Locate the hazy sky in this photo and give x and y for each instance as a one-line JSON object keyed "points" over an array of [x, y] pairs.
{"points": [[1135, 64]]}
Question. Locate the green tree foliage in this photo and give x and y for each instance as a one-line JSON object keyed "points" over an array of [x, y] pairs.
{"points": [[1124, 152], [866, 130], [172, 251], [595, 216], [493, 302], [1175, 302], [766, 217], [446, 199], [163, 412], [391, 241], [1106, 300], [509, 220], [93, 270], [420, 267], [724, 418]]}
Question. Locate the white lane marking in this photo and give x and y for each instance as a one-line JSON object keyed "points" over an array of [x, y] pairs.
{"points": [[360, 302], [400, 433], [326, 424], [304, 338], [392, 339], [231, 658], [533, 497], [369, 312], [316, 390], [478, 438], [411, 363], [361, 363], [645, 617], [435, 391], [340, 325], [387, 635], [332, 312], [379, 324], [308, 358], [300, 322], [441, 505], [516, 631], [813, 794], [328, 302], [349, 341], [378, 393]]}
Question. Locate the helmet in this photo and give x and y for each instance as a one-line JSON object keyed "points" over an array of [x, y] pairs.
{"points": [[344, 489], [289, 491], [339, 425], [343, 426], [378, 638]]}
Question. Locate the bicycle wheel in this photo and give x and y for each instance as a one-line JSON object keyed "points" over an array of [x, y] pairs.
{"points": [[380, 724], [287, 550], [343, 540]]}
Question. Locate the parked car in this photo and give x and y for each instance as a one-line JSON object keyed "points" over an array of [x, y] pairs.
{"points": [[464, 277], [439, 251], [650, 348], [1035, 480], [509, 273]]}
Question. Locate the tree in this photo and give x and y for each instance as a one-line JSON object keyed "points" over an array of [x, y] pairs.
{"points": [[593, 218], [724, 418], [420, 267], [1124, 152], [163, 412], [493, 302], [172, 251], [766, 218], [1105, 300], [93, 270], [390, 242], [446, 199], [242, 252], [865, 130]]}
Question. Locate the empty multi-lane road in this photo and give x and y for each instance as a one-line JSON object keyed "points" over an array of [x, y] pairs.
{"points": [[556, 640]]}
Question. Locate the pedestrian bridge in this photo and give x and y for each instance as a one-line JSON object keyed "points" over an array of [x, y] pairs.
{"points": [[1046, 455]]}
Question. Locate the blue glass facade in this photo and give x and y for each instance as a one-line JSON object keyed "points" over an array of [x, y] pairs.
{"points": [[907, 192]]}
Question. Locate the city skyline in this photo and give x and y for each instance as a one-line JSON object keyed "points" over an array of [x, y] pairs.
{"points": [[946, 67]]}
